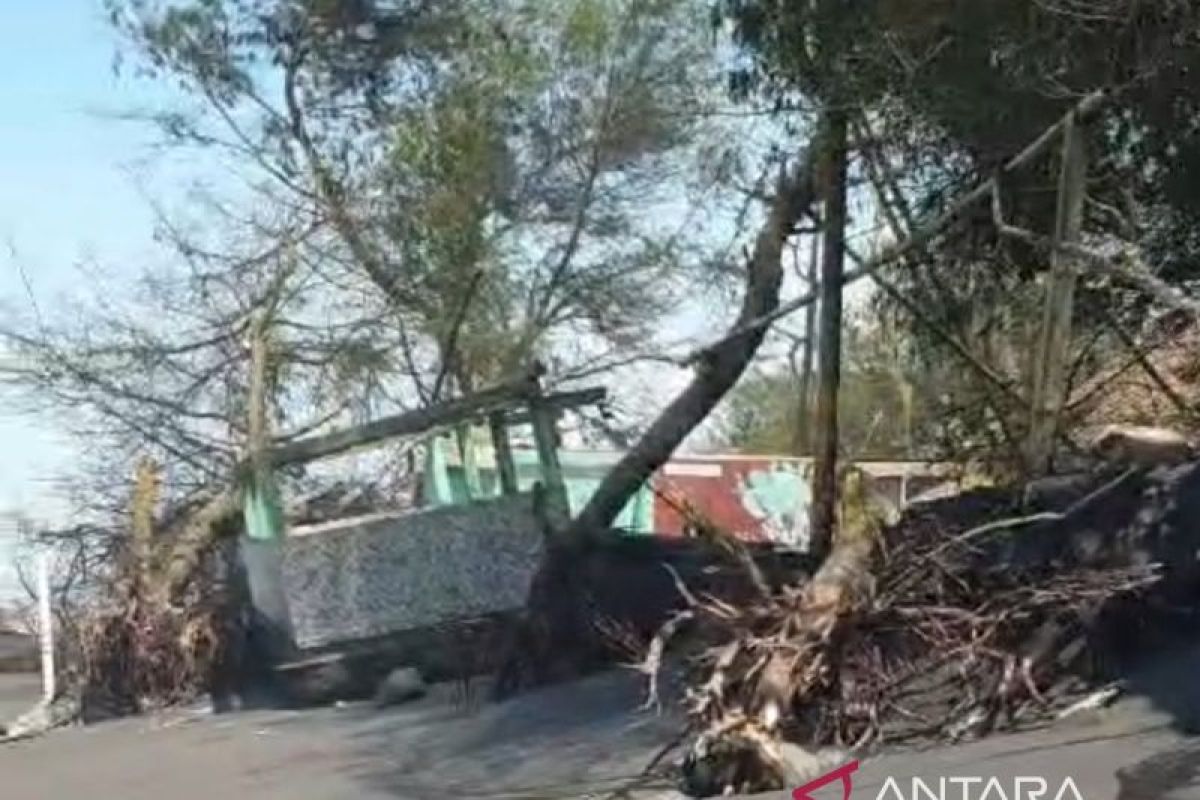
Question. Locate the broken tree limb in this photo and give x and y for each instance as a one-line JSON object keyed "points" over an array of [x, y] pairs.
{"points": [[406, 424], [505, 398], [722, 365], [923, 236], [1124, 265], [843, 583], [558, 402], [1144, 362], [194, 538], [1127, 267], [778, 656], [652, 664]]}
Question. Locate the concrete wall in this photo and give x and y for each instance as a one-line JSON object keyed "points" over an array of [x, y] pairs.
{"points": [[757, 498], [377, 575]]}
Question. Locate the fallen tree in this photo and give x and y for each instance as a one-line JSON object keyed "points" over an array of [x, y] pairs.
{"points": [[991, 609], [155, 620], [558, 624]]}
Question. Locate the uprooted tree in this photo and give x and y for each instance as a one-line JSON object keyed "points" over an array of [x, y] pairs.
{"points": [[952, 622], [441, 192], [426, 196]]}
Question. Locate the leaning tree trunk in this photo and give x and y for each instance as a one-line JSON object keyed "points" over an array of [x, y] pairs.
{"points": [[829, 363], [802, 435], [719, 369], [193, 539], [557, 632]]}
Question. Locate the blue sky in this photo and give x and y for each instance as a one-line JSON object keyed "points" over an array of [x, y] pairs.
{"points": [[66, 190], [69, 178]]}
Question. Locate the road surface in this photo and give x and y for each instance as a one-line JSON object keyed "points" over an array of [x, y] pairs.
{"points": [[18, 693], [578, 740]]}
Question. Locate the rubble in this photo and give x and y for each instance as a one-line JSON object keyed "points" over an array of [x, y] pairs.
{"points": [[43, 717], [400, 686]]}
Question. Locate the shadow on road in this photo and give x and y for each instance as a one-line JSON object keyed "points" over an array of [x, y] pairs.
{"points": [[559, 741], [1175, 773]]}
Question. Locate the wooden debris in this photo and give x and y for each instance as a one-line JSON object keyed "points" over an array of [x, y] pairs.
{"points": [[1140, 446], [42, 718], [961, 619]]}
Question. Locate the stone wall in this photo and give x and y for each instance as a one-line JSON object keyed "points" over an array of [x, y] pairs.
{"points": [[377, 575]]}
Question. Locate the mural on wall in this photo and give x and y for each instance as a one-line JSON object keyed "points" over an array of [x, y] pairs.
{"points": [[778, 497], [756, 499]]}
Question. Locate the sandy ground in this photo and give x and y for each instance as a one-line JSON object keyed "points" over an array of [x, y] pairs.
{"points": [[581, 740]]}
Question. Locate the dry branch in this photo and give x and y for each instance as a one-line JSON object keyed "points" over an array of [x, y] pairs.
{"points": [[923, 236], [1124, 265], [951, 634]]}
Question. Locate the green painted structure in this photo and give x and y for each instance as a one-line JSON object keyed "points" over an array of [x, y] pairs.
{"points": [[451, 478], [262, 510]]}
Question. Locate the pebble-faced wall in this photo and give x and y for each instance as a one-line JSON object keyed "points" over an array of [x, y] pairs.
{"points": [[382, 574]]}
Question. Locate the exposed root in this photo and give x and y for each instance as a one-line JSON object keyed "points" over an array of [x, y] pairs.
{"points": [[652, 664], [952, 634]]}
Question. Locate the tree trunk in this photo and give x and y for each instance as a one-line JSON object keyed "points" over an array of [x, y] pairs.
{"points": [[558, 628], [1049, 379], [802, 435], [194, 539], [721, 367], [829, 366], [145, 501]]}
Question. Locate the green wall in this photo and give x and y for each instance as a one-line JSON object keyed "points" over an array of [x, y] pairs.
{"points": [[445, 481]]}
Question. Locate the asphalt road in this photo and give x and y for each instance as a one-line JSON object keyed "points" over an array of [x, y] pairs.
{"points": [[580, 740]]}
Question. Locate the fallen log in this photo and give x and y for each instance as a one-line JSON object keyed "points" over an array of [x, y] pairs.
{"points": [[780, 651], [968, 615], [558, 621]]}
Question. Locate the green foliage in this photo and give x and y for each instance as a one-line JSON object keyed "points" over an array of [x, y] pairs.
{"points": [[950, 90], [589, 28], [492, 162], [882, 408]]}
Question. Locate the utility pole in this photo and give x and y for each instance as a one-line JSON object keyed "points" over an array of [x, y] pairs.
{"points": [[46, 626]]}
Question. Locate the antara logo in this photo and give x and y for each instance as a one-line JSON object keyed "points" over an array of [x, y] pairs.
{"points": [[948, 788]]}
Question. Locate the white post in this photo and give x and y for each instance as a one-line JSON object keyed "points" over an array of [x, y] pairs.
{"points": [[46, 625]]}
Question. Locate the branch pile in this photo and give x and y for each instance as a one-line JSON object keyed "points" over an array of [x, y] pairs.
{"points": [[160, 624], [138, 653], [973, 613]]}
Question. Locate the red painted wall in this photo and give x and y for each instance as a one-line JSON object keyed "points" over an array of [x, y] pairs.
{"points": [[711, 487]]}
